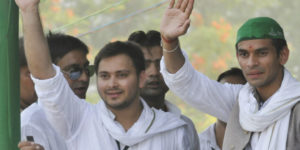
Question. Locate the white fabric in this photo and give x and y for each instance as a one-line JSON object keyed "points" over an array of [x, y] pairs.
{"points": [[208, 95], [201, 92], [190, 128], [34, 123], [207, 139], [92, 127], [271, 122]]}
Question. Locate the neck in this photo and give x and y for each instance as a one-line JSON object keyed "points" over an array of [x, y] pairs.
{"points": [[157, 102], [266, 92], [220, 131], [128, 116]]}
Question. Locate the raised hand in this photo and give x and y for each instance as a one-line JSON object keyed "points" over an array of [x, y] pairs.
{"points": [[27, 5], [176, 20]]}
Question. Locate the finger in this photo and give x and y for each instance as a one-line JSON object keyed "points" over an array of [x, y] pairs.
{"points": [[184, 5], [178, 4], [189, 8], [25, 143], [172, 2], [185, 26]]}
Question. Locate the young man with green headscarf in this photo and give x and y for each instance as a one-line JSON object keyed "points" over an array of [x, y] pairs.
{"points": [[264, 114]]}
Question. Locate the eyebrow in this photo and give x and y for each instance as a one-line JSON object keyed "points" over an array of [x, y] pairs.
{"points": [[258, 49], [118, 71]]}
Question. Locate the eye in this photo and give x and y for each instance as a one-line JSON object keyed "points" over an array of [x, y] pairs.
{"points": [[103, 76], [147, 63], [242, 54], [262, 53], [122, 75]]}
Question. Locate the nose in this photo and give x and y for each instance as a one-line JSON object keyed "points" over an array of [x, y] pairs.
{"points": [[84, 77], [153, 70], [112, 82], [252, 61]]}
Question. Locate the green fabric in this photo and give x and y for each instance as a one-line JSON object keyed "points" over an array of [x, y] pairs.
{"points": [[260, 28], [9, 76]]}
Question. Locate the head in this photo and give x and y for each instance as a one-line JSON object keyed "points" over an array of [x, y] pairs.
{"points": [[233, 76], [120, 70], [70, 54], [262, 51], [27, 91], [154, 85]]}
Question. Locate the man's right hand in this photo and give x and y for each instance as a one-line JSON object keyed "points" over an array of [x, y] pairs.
{"points": [[176, 20]]}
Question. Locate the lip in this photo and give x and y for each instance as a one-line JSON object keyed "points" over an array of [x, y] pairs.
{"points": [[80, 90], [254, 74], [113, 94], [153, 84]]}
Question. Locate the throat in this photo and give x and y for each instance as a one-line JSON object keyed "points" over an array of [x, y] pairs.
{"points": [[128, 117], [157, 102]]}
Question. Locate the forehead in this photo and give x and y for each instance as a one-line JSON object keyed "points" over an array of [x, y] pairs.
{"points": [[73, 57], [116, 63], [255, 44], [154, 52]]}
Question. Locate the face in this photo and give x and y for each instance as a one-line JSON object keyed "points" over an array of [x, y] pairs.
{"points": [[75, 60], [117, 81], [261, 65], [154, 84], [27, 92]]}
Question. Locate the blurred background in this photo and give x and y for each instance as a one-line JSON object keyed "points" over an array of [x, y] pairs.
{"points": [[209, 42]]}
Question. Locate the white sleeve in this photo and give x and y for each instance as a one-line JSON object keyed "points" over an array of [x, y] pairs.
{"points": [[199, 91], [64, 110], [38, 135]]}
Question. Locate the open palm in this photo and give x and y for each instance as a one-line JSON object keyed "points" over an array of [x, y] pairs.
{"points": [[176, 20]]}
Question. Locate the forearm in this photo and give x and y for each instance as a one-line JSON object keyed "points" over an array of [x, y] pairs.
{"points": [[174, 59], [36, 47]]}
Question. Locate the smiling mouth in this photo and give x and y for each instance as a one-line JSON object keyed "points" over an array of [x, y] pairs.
{"points": [[114, 94]]}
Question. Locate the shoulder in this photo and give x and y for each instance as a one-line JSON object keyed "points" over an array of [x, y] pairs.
{"points": [[30, 113]]}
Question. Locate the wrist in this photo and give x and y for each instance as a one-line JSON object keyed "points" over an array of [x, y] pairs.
{"points": [[169, 41], [30, 10]]}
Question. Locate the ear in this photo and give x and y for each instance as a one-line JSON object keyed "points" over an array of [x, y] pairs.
{"points": [[142, 78], [284, 55]]}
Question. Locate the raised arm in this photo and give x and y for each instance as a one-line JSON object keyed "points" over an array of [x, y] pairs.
{"points": [[36, 47], [175, 23]]}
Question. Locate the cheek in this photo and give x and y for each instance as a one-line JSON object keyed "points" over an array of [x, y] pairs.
{"points": [[100, 85]]}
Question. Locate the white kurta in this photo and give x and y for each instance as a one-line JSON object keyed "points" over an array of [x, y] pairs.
{"points": [[92, 127], [34, 123], [190, 128], [207, 139], [211, 96]]}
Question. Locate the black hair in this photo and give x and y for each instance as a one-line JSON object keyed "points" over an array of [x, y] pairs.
{"points": [[128, 48], [279, 44], [149, 39], [231, 72], [60, 44]]}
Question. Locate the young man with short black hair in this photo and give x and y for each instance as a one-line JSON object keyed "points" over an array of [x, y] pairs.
{"points": [[262, 114]]}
